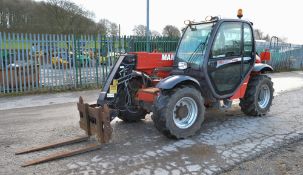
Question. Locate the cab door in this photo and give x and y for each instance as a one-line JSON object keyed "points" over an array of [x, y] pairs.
{"points": [[224, 65], [248, 50]]}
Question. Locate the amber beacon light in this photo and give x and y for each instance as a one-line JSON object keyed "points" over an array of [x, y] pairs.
{"points": [[240, 14]]}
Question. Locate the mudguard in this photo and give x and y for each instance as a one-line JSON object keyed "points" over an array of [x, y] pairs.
{"points": [[171, 81], [261, 67]]}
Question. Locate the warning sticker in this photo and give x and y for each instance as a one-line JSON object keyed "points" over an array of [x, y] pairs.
{"points": [[110, 95], [115, 82], [113, 89]]}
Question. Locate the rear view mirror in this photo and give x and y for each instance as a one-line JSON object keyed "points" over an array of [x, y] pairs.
{"points": [[265, 56]]}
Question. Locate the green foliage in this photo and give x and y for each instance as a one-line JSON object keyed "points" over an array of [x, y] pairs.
{"points": [[171, 31], [51, 16]]}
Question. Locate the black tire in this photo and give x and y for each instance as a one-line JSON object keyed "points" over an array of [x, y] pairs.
{"points": [[250, 103], [133, 113], [164, 109]]}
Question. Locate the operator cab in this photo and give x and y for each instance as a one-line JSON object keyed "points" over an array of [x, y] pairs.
{"points": [[217, 52]]}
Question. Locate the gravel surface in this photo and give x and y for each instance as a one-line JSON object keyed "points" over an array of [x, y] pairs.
{"points": [[286, 160], [226, 139]]}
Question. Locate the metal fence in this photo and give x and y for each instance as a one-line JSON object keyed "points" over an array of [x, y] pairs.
{"points": [[284, 56], [31, 62]]}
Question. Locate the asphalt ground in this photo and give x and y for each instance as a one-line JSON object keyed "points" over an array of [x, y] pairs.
{"points": [[226, 139]]}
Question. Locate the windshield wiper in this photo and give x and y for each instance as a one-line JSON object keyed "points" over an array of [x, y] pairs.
{"points": [[194, 56]]}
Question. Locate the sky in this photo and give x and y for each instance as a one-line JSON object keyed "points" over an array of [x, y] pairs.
{"points": [[275, 17]]}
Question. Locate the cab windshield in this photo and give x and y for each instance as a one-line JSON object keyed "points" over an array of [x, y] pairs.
{"points": [[193, 44]]}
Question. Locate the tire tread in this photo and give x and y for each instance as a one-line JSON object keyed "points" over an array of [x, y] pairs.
{"points": [[248, 104]]}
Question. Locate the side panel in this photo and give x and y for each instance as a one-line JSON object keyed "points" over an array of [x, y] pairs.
{"points": [[241, 91], [147, 95], [149, 62], [172, 81]]}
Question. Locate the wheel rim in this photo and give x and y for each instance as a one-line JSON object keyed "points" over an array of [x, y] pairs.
{"points": [[264, 96], [185, 112]]}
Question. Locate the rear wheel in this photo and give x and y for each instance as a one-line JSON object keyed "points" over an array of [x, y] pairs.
{"points": [[179, 113], [128, 110], [258, 97]]}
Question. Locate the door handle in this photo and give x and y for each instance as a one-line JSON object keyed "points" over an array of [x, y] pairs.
{"points": [[212, 63]]}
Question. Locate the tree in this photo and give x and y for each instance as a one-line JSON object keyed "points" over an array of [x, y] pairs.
{"points": [[139, 30], [105, 27], [258, 34], [16, 15], [50, 16], [114, 30], [69, 17], [283, 39], [171, 31], [266, 37], [155, 33]]}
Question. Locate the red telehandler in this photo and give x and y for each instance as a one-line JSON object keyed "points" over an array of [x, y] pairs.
{"points": [[215, 63]]}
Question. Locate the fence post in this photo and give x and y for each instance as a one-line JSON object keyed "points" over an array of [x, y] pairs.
{"points": [[96, 59], [6, 63], [104, 66], [79, 54], [26, 57], [14, 64], [52, 50], [60, 57], [53, 55], [38, 64], [59, 76], [2, 63], [43, 60], [73, 44], [19, 61], [10, 61], [71, 55]]}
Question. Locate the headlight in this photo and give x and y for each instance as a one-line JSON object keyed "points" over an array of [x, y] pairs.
{"points": [[182, 65]]}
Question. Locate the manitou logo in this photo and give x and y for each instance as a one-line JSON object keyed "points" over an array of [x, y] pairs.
{"points": [[168, 57]]}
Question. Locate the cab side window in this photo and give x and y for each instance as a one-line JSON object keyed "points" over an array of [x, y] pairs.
{"points": [[248, 42], [248, 60], [228, 41]]}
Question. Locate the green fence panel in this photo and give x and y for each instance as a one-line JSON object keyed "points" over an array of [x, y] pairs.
{"points": [[35, 62]]}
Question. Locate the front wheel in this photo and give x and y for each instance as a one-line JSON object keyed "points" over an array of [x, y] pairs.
{"points": [[128, 110], [258, 96], [179, 113]]}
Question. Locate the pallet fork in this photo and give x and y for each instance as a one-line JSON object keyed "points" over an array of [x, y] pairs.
{"points": [[94, 120]]}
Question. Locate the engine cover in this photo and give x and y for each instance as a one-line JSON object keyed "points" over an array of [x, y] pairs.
{"points": [[154, 64]]}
